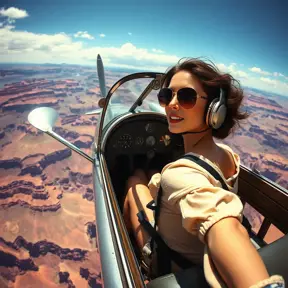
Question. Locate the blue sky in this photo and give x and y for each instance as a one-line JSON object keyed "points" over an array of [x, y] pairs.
{"points": [[247, 38]]}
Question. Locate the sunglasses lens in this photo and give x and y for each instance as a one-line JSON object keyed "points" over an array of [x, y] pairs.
{"points": [[187, 97], [164, 96]]}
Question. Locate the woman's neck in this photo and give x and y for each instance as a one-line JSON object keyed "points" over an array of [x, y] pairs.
{"points": [[199, 143]]}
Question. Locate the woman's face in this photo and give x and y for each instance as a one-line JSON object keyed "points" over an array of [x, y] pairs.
{"points": [[191, 119]]}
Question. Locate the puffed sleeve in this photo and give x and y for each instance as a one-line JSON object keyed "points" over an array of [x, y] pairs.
{"points": [[202, 204], [154, 184]]}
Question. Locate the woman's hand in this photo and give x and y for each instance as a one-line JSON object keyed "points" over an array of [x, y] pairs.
{"points": [[233, 254]]}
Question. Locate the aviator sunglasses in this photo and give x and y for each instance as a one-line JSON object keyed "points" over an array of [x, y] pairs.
{"points": [[186, 97]]}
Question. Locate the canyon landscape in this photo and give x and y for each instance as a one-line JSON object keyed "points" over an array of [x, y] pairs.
{"points": [[47, 222], [47, 219]]}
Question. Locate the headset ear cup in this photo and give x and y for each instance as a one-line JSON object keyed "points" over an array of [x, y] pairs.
{"points": [[218, 115], [217, 111], [209, 114]]}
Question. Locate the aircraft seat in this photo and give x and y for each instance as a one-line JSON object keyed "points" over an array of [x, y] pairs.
{"points": [[274, 255]]}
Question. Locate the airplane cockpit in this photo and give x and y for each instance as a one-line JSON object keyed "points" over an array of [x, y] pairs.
{"points": [[136, 136]]}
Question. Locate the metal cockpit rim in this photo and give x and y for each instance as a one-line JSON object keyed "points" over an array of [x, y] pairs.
{"points": [[152, 75]]}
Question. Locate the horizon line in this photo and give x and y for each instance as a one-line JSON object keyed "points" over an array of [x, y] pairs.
{"points": [[122, 68]]}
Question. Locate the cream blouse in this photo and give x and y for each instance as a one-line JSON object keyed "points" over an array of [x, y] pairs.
{"points": [[192, 201]]}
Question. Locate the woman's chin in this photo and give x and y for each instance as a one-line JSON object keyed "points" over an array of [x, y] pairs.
{"points": [[175, 130], [178, 128]]}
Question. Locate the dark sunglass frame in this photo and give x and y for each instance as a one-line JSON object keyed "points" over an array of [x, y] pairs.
{"points": [[187, 101]]}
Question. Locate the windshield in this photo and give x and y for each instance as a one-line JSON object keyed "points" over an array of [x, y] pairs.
{"points": [[136, 92]]}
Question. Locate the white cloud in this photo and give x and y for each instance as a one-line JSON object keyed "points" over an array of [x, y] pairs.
{"points": [[129, 33], [268, 84], [157, 50], [277, 74], [276, 85], [147, 67], [239, 74], [102, 35], [131, 55], [11, 21], [259, 71], [232, 69], [268, 80], [83, 34], [14, 13], [26, 43], [23, 46], [8, 27], [262, 83]]}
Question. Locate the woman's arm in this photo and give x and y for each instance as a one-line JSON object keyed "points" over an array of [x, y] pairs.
{"points": [[233, 254], [213, 215]]}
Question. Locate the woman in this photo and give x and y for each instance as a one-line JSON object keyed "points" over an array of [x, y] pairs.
{"points": [[198, 218]]}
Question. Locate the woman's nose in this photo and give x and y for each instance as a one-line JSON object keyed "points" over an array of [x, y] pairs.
{"points": [[174, 102]]}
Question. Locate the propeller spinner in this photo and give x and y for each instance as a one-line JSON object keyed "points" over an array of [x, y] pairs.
{"points": [[44, 118]]}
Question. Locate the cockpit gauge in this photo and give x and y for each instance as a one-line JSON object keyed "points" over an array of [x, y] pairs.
{"points": [[166, 139], [150, 154], [125, 141], [150, 141], [139, 141], [149, 128]]}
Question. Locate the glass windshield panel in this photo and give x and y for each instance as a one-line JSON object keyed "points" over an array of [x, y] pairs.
{"points": [[124, 98], [151, 103]]}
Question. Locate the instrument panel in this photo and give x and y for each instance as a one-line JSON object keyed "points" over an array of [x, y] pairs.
{"points": [[136, 135], [141, 136], [138, 141]]}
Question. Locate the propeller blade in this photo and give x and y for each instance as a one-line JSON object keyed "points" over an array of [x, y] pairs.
{"points": [[102, 84], [101, 76]]}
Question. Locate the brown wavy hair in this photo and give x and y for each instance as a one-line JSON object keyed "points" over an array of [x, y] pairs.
{"points": [[212, 79]]}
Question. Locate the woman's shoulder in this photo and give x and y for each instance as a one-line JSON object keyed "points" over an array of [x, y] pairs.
{"points": [[181, 164], [230, 160], [229, 151]]}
